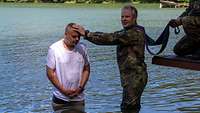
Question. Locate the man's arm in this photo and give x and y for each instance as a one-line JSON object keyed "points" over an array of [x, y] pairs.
{"points": [[54, 80], [129, 37], [101, 38], [123, 37], [85, 76]]}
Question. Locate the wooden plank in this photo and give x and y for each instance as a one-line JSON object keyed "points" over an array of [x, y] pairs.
{"points": [[168, 2], [175, 61]]}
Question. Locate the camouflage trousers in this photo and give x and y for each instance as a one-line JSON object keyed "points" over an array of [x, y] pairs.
{"points": [[133, 88], [190, 43]]}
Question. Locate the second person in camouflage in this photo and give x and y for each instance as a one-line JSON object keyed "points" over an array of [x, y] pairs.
{"points": [[130, 43], [190, 20]]}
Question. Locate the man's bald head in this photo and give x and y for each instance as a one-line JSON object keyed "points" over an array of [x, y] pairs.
{"points": [[71, 37], [69, 27]]}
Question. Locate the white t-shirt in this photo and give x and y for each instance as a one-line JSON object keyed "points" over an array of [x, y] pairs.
{"points": [[68, 66]]}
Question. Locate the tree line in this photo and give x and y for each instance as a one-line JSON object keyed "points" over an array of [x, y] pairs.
{"points": [[88, 1]]}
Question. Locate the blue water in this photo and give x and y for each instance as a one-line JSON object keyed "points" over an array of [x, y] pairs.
{"points": [[26, 33]]}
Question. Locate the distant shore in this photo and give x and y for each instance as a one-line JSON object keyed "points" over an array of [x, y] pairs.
{"points": [[68, 5]]}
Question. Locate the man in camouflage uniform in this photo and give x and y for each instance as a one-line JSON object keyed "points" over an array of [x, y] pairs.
{"points": [[190, 20], [130, 43]]}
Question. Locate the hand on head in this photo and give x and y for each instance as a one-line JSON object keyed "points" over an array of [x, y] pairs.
{"points": [[79, 29]]}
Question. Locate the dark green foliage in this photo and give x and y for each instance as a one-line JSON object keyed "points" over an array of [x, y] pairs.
{"points": [[122, 1], [183, 0], [97, 1], [149, 1]]}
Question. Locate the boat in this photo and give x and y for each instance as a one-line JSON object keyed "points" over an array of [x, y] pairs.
{"points": [[172, 4], [176, 61]]}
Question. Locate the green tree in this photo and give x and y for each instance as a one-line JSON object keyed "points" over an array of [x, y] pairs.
{"points": [[97, 1], [149, 1], [123, 1]]}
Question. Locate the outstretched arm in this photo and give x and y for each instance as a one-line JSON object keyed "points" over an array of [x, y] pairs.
{"points": [[123, 37], [101, 38]]}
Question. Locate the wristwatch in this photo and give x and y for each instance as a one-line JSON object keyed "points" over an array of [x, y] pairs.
{"points": [[86, 33], [81, 87]]}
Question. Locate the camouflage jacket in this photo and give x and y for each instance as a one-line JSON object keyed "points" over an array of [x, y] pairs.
{"points": [[130, 49], [193, 9]]}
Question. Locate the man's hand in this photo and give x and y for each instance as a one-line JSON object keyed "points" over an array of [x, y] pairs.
{"points": [[79, 29], [68, 92], [77, 92], [175, 22]]}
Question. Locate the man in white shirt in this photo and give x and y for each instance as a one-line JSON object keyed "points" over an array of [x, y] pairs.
{"points": [[68, 70]]}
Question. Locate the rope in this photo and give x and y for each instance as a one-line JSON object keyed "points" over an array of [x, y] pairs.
{"points": [[162, 40]]}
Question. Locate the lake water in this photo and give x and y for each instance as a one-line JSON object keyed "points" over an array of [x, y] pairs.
{"points": [[26, 33]]}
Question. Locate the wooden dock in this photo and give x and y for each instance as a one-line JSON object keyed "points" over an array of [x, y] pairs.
{"points": [[172, 4], [175, 61]]}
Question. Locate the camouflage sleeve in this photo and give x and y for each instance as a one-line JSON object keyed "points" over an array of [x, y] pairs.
{"points": [[122, 37]]}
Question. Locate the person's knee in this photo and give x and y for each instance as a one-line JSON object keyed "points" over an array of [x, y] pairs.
{"points": [[179, 50]]}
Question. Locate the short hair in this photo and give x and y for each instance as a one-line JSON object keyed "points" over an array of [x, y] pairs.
{"points": [[132, 8], [69, 26]]}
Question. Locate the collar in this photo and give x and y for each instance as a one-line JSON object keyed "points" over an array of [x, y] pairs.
{"points": [[131, 26]]}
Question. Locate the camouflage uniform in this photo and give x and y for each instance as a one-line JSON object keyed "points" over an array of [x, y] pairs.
{"points": [[130, 58], [190, 19]]}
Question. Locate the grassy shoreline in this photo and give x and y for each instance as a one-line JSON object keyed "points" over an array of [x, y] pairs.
{"points": [[82, 5]]}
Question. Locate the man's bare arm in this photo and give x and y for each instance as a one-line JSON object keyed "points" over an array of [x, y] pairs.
{"points": [[54, 80], [85, 76]]}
